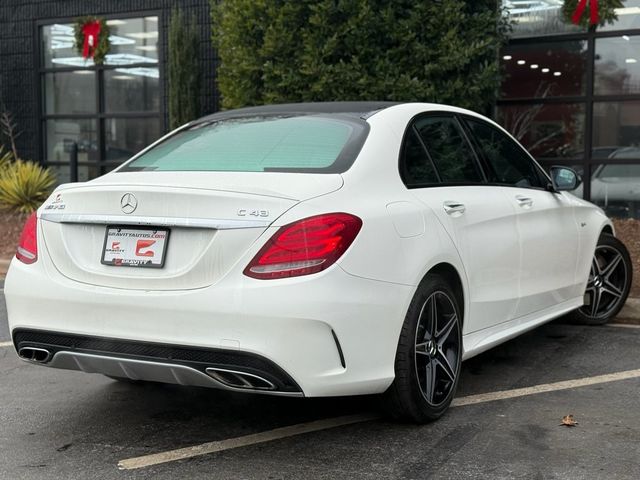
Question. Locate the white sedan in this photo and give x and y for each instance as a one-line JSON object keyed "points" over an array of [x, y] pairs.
{"points": [[312, 250]]}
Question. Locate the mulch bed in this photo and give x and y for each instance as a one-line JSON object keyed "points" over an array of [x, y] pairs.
{"points": [[628, 230], [10, 229]]}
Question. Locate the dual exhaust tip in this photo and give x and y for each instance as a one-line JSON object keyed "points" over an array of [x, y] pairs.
{"points": [[32, 354], [237, 379], [230, 378]]}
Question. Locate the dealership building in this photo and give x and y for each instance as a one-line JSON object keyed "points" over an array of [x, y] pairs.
{"points": [[570, 95]]}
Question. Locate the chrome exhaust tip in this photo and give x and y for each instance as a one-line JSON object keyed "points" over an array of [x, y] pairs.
{"points": [[33, 354], [243, 380]]}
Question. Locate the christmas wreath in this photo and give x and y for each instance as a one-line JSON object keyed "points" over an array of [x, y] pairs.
{"points": [[92, 38], [600, 12]]}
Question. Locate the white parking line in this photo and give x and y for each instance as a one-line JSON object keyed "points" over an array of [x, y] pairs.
{"points": [[244, 441], [6, 344], [279, 433], [546, 387]]}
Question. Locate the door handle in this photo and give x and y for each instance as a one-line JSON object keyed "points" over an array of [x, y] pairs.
{"points": [[524, 202], [454, 208]]}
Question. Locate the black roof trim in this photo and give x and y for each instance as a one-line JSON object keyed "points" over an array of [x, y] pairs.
{"points": [[357, 109]]}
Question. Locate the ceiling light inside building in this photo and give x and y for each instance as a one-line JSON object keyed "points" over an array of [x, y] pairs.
{"points": [[630, 60], [534, 66], [626, 37], [557, 74], [521, 62], [545, 70], [507, 57]]}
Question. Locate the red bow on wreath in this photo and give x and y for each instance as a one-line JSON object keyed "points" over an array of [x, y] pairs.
{"points": [[91, 31], [582, 4]]}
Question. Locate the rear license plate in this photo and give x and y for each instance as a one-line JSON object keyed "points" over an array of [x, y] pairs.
{"points": [[135, 247]]}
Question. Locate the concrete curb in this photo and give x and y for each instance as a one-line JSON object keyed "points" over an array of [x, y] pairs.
{"points": [[630, 313], [4, 266]]}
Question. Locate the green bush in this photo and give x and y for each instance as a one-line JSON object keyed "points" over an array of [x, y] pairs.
{"points": [[24, 186], [184, 70], [274, 51]]}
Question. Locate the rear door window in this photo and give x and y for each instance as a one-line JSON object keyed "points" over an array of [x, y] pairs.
{"points": [[508, 163], [416, 167], [448, 148]]}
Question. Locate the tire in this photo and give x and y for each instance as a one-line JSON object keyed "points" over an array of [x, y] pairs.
{"points": [[428, 359], [609, 282]]}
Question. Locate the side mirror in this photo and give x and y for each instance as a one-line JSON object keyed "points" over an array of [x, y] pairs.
{"points": [[565, 178]]}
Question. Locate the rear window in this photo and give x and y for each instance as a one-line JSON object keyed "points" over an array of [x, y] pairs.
{"points": [[309, 143]]}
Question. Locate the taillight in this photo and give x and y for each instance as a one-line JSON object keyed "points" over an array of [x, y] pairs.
{"points": [[28, 247], [306, 246]]}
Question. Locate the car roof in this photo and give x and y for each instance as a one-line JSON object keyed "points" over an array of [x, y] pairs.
{"points": [[355, 109]]}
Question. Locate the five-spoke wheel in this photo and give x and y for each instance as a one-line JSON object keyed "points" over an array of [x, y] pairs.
{"points": [[429, 354], [608, 284], [437, 348]]}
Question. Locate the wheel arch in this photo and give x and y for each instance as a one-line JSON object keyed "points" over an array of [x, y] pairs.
{"points": [[454, 279], [607, 229]]}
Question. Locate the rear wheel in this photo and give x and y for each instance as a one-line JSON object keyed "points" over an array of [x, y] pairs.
{"points": [[429, 355], [609, 282]]}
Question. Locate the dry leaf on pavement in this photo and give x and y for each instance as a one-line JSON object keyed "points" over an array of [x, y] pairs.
{"points": [[568, 421]]}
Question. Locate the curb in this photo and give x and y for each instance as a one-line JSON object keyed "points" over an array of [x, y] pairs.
{"points": [[4, 265], [630, 313]]}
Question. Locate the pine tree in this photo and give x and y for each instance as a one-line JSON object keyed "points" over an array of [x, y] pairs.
{"points": [[321, 50]]}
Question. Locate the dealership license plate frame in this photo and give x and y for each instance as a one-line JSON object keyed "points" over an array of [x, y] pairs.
{"points": [[135, 228]]}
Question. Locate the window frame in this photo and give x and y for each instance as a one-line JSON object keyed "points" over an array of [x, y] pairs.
{"points": [[475, 160], [99, 115]]}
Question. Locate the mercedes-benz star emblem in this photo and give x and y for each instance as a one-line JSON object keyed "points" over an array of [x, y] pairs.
{"points": [[128, 203]]}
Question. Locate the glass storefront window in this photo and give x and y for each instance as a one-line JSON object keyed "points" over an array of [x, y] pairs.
{"points": [[628, 17], [70, 92], [127, 136], [616, 188], [132, 89], [110, 111], [534, 18], [546, 131], [616, 130], [546, 69], [62, 134], [617, 65], [133, 40]]}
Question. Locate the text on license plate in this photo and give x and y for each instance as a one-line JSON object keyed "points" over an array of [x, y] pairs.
{"points": [[135, 247]]}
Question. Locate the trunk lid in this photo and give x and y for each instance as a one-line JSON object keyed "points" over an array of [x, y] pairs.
{"points": [[213, 218]]}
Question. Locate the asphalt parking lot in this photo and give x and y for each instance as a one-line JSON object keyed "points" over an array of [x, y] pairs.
{"points": [[58, 424]]}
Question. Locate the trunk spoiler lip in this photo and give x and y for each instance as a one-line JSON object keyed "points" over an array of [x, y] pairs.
{"points": [[210, 223]]}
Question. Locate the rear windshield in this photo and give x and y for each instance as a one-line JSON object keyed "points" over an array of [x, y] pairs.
{"points": [[308, 143]]}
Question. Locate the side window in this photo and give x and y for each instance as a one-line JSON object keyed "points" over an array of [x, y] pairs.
{"points": [[507, 162], [449, 150], [416, 166]]}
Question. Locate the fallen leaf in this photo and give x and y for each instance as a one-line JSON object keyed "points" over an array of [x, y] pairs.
{"points": [[568, 421]]}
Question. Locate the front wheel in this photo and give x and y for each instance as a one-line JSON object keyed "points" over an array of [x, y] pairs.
{"points": [[609, 282], [429, 355]]}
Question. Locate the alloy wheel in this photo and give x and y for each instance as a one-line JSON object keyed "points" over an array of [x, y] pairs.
{"points": [[607, 281], [437, 348]]}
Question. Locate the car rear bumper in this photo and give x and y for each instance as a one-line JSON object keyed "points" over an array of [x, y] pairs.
{"points": [[326, 334]]}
